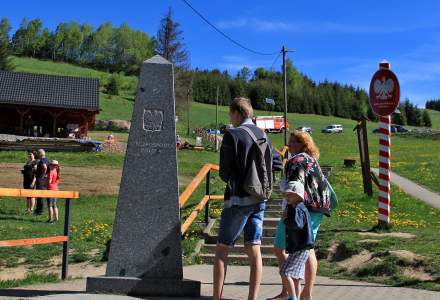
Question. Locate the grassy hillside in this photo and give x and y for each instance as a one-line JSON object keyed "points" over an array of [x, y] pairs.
{"points": [[435, 118]]}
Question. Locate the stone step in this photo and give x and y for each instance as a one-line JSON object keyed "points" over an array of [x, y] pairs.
{"points": [[237, 249], [270, 222], [212, 240], [272, 214], [267, 231], [274, 206], [239, 259]]}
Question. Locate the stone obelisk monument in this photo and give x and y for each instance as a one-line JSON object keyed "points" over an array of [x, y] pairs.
{"points": [[145, 256]]}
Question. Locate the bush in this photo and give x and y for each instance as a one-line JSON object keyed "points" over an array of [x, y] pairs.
{"points": [[114, 85]]}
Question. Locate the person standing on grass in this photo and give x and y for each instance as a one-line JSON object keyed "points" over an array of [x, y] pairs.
{"points": [[53, 181], [41, 178], [29, 179], [303, 181], [242, 211]]}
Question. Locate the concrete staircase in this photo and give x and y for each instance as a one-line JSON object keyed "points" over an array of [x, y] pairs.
{"points": [[237, 255]]}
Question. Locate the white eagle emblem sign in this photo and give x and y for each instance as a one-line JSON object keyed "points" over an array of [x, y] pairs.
{"points": [[152, 120], [383, 88]]}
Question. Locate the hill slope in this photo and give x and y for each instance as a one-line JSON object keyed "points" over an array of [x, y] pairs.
{"points": [[435, 118]]}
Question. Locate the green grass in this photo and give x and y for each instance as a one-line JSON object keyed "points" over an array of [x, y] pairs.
{"points": [[31, 278], [435, 118], [359, 213]]}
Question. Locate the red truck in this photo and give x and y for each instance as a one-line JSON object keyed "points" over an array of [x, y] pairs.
{"points": [[270, 123]]}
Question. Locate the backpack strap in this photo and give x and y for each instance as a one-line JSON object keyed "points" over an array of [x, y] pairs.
{"points": [[251, 133]]}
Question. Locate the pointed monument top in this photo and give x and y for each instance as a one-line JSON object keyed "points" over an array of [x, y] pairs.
{"points": [[157, 59]]}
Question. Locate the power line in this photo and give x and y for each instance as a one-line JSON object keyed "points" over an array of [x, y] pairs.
{"points": [[225, 35], [275, 60]]}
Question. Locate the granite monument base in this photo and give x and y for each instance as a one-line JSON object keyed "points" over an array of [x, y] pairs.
{"points": [[133, 286]]}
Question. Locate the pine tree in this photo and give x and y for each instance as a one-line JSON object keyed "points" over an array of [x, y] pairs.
{"points": [[5, 60], [426, 119], [113, 86], [169, 42]]}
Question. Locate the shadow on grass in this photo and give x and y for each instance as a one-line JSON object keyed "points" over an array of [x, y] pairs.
{"points": [[21, 219]]}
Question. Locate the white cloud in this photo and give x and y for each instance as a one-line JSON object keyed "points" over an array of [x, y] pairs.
{"points": [[315, 27]]}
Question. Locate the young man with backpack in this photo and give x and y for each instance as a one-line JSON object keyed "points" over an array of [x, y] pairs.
{"points": [[247, 160]]}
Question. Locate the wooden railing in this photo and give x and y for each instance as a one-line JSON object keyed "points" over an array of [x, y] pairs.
{"points": [[205, 172], [283, 151], [27, 193]]}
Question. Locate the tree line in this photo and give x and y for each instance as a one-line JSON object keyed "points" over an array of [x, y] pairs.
{"points": [[304, 95], [433, 104], [409, 114], [108, 48]]}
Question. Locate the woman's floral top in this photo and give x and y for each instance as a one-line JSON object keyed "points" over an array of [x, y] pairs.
{"points": [[303, 176]]}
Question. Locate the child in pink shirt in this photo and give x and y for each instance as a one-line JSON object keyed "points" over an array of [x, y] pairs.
{"points": [[53, 181]]}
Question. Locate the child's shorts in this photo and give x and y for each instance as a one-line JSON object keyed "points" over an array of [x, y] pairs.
{"points": [[52, 202], [294, 266]]}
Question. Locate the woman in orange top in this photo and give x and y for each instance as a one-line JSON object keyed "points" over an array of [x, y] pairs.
{"points": [[53, 181]]}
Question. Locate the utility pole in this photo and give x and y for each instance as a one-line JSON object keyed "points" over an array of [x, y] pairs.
{"points": [[284, 50], [216, 117], [189, 92], [187, 112]]}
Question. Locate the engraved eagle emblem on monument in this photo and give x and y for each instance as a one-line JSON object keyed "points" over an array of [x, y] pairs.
{"points": [[152, 120]]}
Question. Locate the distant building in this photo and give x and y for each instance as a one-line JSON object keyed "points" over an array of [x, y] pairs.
{"points": [[47, 105]]}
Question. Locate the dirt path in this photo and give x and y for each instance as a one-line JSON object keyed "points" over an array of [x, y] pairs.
{"points": [[88, 181]]}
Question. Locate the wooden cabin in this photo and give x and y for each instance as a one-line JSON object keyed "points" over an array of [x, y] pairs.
{"points": [[47, 105]]}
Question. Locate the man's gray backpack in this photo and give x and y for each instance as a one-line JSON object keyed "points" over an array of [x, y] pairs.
{"points": [[259, 179]]}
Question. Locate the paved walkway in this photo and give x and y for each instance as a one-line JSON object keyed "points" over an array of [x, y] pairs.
{"points": [[235, 288], [413, 189]]}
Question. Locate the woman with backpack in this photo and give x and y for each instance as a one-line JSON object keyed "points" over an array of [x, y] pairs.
{"points": [[29, 179], [303, 181]]}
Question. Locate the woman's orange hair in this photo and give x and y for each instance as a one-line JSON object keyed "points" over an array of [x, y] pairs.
{"points": [[309, 145]]}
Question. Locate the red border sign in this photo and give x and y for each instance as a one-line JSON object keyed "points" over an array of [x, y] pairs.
{"points": [[384, 92]]}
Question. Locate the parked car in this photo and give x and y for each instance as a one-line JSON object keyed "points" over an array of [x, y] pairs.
{"points": [[305, 129], [394, 129], [333, 128], [212, 131]]}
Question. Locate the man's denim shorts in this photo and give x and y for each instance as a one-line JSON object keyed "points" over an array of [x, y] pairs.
{"points": [[237, 219]]}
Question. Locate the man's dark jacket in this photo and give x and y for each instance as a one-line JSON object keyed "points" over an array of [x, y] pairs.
{"points": [[235, 159]]}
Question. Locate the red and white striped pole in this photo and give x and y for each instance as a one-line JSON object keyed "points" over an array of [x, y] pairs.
{"points": [[384, 99], [384, 169]]}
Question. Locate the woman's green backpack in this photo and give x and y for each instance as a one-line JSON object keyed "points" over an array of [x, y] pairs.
{"points": [[333, 198]]}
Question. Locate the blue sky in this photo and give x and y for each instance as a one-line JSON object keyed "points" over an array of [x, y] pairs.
{"points": [[336, 40]]}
